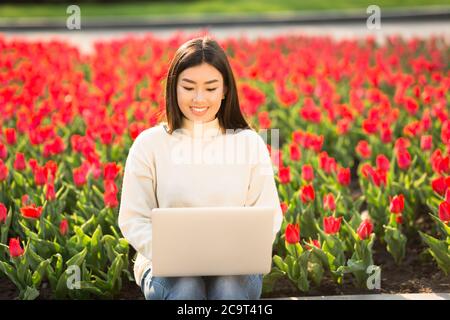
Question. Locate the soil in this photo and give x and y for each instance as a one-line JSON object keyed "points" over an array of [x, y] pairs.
{"points": [[418, 273]]}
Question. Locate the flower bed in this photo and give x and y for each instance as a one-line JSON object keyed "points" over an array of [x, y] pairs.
{"points": [[363, 168]]}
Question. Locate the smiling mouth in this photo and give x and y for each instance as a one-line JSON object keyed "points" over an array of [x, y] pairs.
{"points": [[199, 109]]}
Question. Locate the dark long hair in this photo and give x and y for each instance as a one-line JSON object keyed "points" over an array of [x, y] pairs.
{"points": [[193, 53]]}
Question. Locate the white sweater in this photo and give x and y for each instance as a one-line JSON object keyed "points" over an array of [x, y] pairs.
{"points": [[196, 166]]}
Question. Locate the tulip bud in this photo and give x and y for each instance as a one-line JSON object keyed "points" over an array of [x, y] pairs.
{"points": [[328, 202], [444, 211], [3, 213], [285, 175], [307, 194], [397, 204], [307, 172], [15, 250], [331, 224], [365, 229], [426, 142], [63, 227], [292, 233], [284, 207]]}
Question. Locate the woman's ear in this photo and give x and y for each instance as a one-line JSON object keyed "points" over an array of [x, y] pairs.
{"points": [[224, 92]]}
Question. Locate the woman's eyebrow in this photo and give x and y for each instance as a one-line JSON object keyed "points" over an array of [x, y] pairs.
{"points": [[207, 82]]}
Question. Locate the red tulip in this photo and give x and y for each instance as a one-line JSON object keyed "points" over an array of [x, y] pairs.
{"points": [[308, 172], [328, 164], [440, 185], [439, 163], [363, 149], [50, 191], [445, 132], [15, 250], [284, 207], [295, 152], [369, 126], [365, 229], [40, 175], [106, 135], [25, 200], [63, 227], [386, 135], [285, 175], [80, 175], [3, 171], [31, 211], [426, 142], [397, 204], [331, 224], [447, 195], [19, 162], [314, 242], [401, 144], [110, 194], [292, 233], [444, 211], [3, 212], [264, 120], [328, 202], [382, 162], [3, 151], [403, 159], [10, 134], [307, 193], [111, 170], [343, 176]]}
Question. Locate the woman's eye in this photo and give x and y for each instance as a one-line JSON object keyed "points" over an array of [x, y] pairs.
{"points": [[188, 89], [211, 89]]}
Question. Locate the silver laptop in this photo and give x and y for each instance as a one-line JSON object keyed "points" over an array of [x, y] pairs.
{"points": [[207, 241]]}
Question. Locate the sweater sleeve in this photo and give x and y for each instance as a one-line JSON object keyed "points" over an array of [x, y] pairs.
{"points": [[138, 198], [262, 190]]}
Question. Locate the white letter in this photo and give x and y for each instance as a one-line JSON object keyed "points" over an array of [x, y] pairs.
{"points": [[374, 280], [374, 20], [73, 281], [73, 21]]}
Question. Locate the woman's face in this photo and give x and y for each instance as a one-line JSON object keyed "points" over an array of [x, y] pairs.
{"points": [[200, 91]]}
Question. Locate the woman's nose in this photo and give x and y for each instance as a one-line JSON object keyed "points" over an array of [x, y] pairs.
{"points": [[199, 96]]}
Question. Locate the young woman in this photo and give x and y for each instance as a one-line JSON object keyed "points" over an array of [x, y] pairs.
{"points": [[205, 154]]}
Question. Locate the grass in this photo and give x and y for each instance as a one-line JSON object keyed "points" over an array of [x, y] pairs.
{"points": [[202, 7]]}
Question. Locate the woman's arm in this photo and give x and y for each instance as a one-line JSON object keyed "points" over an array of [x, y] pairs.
{"points": [[262, 188], [138, 197]]}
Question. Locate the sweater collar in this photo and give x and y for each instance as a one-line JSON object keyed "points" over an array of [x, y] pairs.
{"points": [[197, 129]]}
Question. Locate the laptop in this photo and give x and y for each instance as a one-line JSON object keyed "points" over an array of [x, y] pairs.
{"points": [[212, 241]]}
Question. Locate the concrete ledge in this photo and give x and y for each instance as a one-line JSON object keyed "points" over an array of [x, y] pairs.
{"points": [[405, 296], [425, 14]]}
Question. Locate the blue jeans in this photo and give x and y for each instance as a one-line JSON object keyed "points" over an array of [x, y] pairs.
{"points": [[239, 287]]}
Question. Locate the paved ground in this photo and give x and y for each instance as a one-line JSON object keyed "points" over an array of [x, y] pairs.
{"points": [[85, 39], [407, 296]]}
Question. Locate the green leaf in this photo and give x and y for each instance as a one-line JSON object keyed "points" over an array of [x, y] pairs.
{"points": [[270, 279], [91, 288], [396, 243], [115, 271], [30, 294], [419, 181], [280, 263], [40, 272], [315, 272], [9, 271], [77, 259], [18, 178], [439, 251]]}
